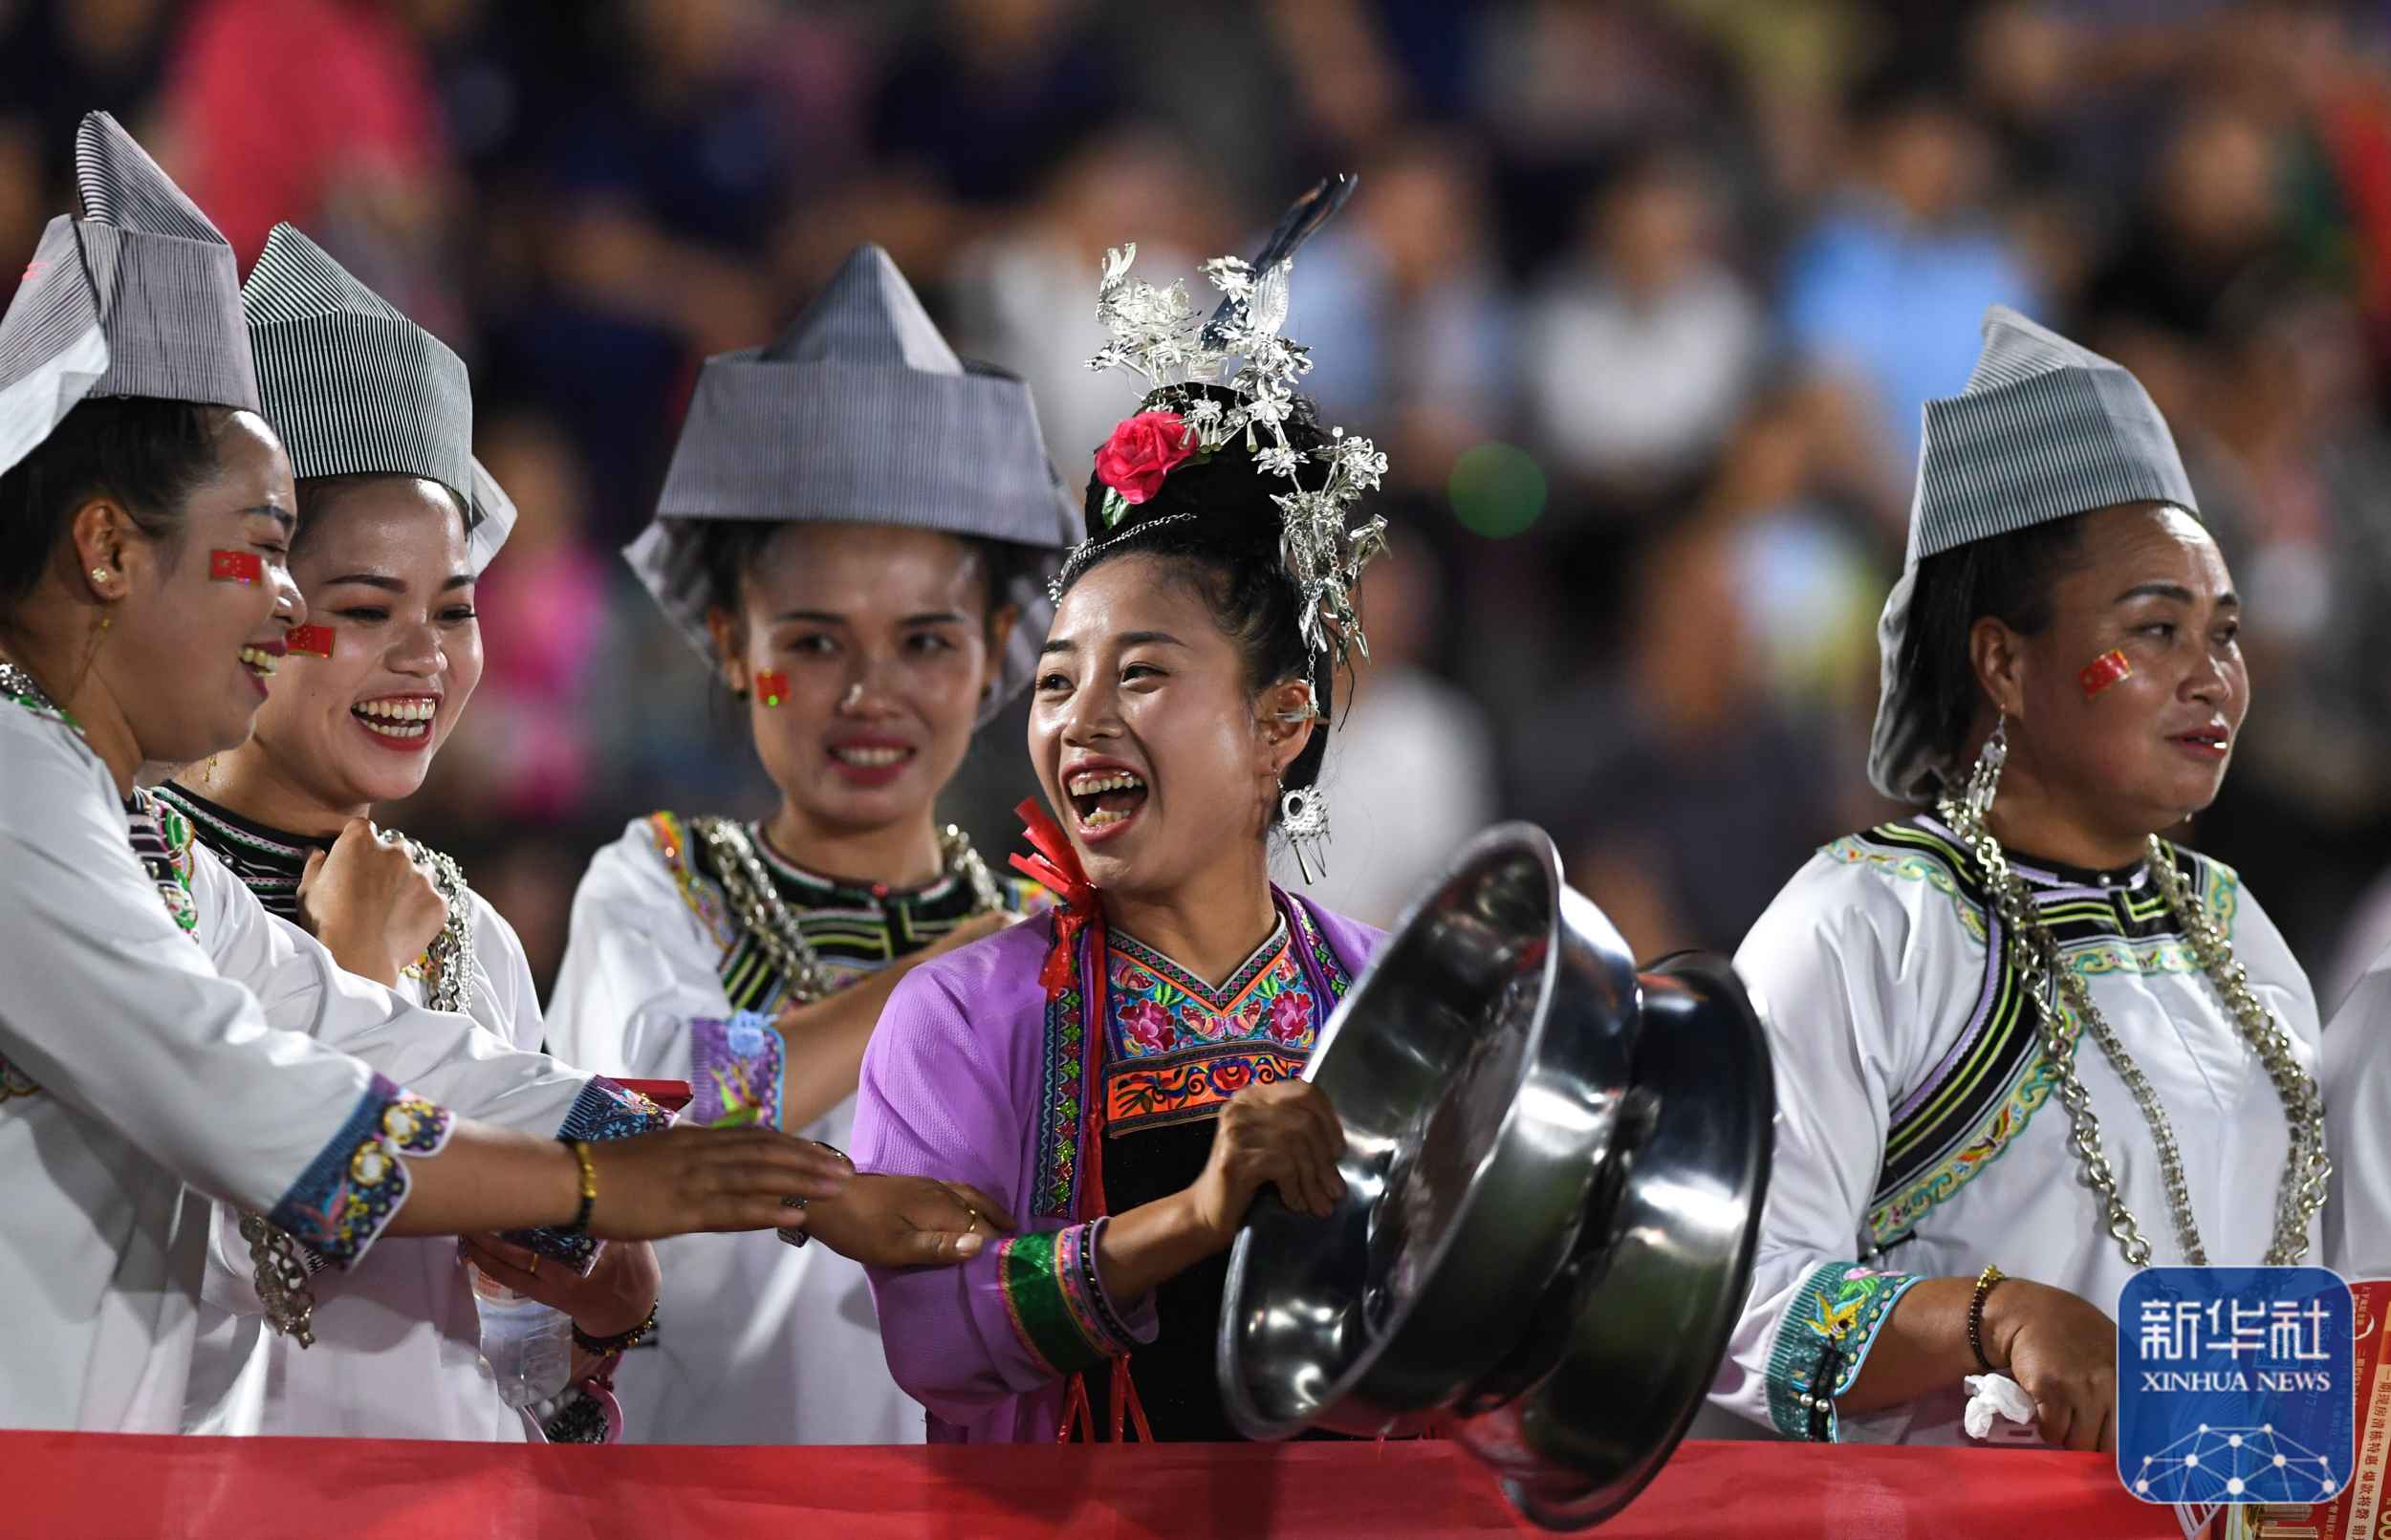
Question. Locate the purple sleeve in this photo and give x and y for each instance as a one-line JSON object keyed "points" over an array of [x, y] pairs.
{"points": [[936, 1100]]}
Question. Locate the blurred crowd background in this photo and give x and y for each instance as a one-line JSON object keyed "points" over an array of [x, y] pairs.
{"points": [[1642, 298]]}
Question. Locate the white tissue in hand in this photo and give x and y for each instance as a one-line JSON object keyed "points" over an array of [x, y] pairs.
{"points": [[1987, 1394]]}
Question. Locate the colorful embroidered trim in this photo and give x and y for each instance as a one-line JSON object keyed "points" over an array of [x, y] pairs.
{"points": [[704, 897], [735, 1072], [1055, 1188], [1178, 1048], [1053, 1302], [235, 567], [772, 686], [1968, 1110], [854, 932], [1822, 1341], [345, 1197], [1323, 956], [2103, 672], [308, 641], [1150, 1096], [161, 837], [603, 1111]]}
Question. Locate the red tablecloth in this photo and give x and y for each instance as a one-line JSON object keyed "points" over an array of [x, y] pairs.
{"points": [[94, 1485]]}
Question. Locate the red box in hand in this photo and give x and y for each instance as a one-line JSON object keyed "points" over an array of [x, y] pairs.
{"points": [[670, 1095]]}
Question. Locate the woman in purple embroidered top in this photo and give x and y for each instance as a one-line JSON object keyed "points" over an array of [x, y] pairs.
{"points": [[1125, 1075]]}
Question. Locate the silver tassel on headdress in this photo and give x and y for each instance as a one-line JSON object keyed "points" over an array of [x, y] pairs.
{"points": [[1153, 333]]}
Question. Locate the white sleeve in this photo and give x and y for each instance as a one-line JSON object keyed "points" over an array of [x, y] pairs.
{"points": [[468, 1065], [112, 1008], [2357, 1111], [504, 999], [1829, 982], [446, 1055], [641, 963]]}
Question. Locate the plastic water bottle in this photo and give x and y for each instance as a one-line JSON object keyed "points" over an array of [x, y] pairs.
{"points": [[528, 1345]]}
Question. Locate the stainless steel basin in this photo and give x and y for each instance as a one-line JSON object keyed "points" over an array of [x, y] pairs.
{"points": [[1554, 1169]]}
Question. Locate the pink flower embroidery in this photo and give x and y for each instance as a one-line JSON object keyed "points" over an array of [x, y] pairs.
{"points": [[1148, 1026], [1291, 1018]]}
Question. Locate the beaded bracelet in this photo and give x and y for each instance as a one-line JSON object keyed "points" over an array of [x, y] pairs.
{"points": [[619, 1342], [1984, 1281]]}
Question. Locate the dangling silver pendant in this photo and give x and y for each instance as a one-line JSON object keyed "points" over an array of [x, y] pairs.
{"points": [[1303, 818], [1984, 779]]}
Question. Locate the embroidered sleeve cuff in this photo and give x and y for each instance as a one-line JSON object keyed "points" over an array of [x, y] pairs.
{"points": [[1823, 1341], [735, 1072], [603, 1111], [347, 1196], [1057, 1305]]}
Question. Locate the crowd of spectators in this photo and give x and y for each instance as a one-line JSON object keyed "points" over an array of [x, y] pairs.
{"points": [[1640, 296]]}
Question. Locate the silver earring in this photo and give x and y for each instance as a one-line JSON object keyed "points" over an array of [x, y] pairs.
{"points": [[1303, 818], [1984, 779]]}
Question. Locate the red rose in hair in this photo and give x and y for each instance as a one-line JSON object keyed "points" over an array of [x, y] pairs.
{"points": [[1141, 451]]}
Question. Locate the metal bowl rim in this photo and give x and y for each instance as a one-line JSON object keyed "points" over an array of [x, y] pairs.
{"points": [[1504, 839]]}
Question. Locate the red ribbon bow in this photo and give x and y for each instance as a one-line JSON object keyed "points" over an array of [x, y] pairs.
{"points": [[1055, 866]]}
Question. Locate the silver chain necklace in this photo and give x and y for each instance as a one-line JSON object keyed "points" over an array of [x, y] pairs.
{"points": [[804, 979], [2033, 952], [449, 961]]}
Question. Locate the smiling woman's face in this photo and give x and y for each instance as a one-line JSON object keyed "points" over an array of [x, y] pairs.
{"points": [[189, 656], [382, 564], [885, 648], [2150, 746], [1146, 735]]}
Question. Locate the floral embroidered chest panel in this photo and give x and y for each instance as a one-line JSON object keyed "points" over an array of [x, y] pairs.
{"points": [[1176, 1047]]}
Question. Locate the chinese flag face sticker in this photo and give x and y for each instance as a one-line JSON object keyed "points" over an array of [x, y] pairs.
{"points": [[309, 640], [235, 567], [2103, 672], [772, 686]]}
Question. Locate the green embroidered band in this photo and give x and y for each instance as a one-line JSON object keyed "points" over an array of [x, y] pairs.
{"points": [[1822, 1342]]}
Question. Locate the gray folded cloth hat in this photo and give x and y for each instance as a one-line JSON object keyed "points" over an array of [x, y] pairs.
{"points": [[2045, 429], [136, 295], [357, 389], [860, 413]]}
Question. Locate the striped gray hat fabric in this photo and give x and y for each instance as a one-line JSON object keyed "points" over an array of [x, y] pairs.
{"points": [[138, 295], [357, 389], [860, 413], [2045, 429]]}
